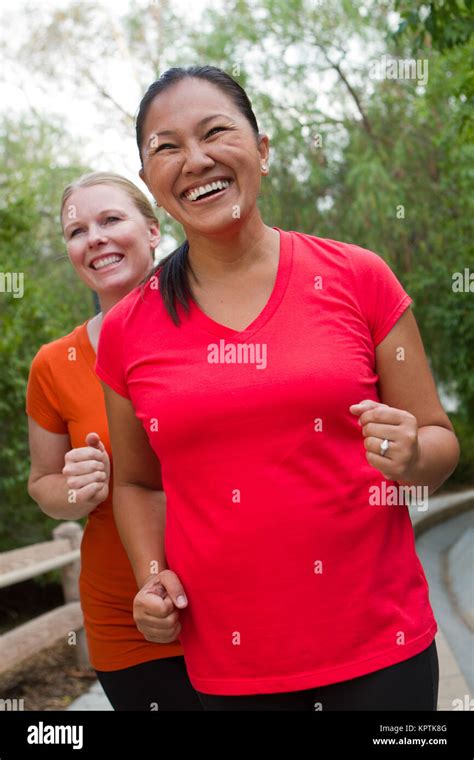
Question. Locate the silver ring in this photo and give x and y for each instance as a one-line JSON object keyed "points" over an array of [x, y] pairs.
{"points": [[384, 447]]}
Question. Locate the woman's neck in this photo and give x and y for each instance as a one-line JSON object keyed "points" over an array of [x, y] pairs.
{"points": [[107, 300], [95, 323], [217, 257]]}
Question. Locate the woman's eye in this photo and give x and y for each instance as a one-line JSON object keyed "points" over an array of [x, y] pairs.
{"points": [[112, 219], [161, 147], [170, 146], [215, 129], [74, 232]]}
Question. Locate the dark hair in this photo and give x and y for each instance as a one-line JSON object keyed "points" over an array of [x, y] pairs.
{"points": [[173, 280]]}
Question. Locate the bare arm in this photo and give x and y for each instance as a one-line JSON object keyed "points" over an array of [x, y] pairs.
{"points": [[138, 497], [63, 486], [406, 382], [140, 515]]}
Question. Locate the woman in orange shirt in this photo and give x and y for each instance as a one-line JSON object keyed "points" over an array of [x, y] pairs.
{"points": [[111, 232]]}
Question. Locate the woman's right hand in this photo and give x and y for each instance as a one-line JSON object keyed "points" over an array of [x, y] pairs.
{"points": [[156, 607], [87, 471]]}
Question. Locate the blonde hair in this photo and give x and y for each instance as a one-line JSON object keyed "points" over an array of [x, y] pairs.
{"points": [[139, 199]]}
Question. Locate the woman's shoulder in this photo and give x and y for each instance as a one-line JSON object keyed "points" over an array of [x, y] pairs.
{"points": [[340, 247], [342, 254], [56, 348]]}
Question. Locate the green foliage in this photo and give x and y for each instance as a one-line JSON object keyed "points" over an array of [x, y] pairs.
{"points": [[447, 23], [464, 472], [419, 166], [52, 303]]}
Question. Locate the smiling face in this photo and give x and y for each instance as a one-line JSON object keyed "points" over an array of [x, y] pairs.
{"points": [[109, 242], [201, 158]]}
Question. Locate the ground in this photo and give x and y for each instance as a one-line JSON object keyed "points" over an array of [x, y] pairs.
{"points": [[51, 679], [47, 681]]}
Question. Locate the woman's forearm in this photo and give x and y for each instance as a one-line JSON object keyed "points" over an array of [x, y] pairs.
{"points": [[140, 516], [56, 499], [438, 458]]}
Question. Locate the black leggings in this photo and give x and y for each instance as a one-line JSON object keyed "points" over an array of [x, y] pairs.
{"points": [[408, 685], [155, 685]]}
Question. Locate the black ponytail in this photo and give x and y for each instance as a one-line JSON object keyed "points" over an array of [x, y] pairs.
{"points": [[173, 281]]}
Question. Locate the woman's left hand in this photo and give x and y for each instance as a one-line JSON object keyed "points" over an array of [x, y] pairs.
{"points": [[400, 428]]}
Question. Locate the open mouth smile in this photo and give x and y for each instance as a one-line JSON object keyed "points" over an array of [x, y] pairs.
{"points": [[201, 193], [106, 262]]}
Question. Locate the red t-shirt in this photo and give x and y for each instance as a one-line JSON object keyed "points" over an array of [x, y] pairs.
{"points": [[294, 580]]}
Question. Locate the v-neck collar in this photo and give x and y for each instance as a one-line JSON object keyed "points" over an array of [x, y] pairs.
{"points": [[281, 281]]}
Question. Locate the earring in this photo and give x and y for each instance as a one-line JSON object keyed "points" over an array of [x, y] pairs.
{"points": [[156, 204], [264, 167]]}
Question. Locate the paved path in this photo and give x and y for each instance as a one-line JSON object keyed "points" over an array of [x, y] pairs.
{"points": [[433, 551], [94, 699]]}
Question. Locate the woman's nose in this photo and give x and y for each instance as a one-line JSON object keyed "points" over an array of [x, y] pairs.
{"points": [[196, 159], [96, 236]]}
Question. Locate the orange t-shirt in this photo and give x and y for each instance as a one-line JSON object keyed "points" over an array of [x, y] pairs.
{"points": [[64, 395]]}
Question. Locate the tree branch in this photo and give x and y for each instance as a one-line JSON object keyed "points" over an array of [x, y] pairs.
{"points": [[351, 90], [129, 117]]}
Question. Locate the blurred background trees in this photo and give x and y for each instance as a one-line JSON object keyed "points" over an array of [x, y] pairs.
{"points": [[36, 163], [385, 163]]}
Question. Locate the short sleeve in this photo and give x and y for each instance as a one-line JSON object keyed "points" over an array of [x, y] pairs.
{"points": [[381, 297], [109, 364], [42, 402]]}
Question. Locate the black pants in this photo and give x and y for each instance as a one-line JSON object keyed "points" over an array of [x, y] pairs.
{"points": [[155, 685], [408, 685]]}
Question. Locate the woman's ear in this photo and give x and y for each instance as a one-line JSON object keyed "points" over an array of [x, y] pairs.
{"points": [[155, 235], [141, 174], [264, 147]]}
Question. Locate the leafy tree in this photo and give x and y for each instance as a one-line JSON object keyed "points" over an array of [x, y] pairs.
{"points": [[444, 23], [51, 304]]}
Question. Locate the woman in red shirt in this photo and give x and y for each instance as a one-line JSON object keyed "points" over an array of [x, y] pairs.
{"points": [[272, 386], [111, 233]]}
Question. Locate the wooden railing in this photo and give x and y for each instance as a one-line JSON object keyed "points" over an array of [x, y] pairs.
{"points": [[62, 623]]}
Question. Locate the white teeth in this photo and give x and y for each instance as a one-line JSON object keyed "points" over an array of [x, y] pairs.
{"points": [[196, 193], [105, 262]]}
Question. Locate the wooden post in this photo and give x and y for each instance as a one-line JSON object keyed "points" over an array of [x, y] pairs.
{"points": [[72, 532]]}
